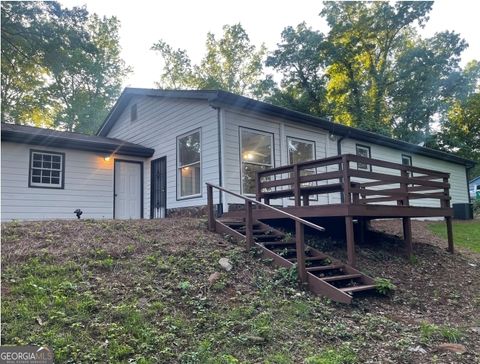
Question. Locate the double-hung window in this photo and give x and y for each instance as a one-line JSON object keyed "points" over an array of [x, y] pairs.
{"points": [[46, 169], [189, 165], [256, 154]]}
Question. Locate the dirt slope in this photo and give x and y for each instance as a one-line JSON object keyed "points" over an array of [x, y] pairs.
{"points": [[139, 291]]}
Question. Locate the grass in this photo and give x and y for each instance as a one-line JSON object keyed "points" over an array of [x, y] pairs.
{"points": [[138, 292], [466, 233]]}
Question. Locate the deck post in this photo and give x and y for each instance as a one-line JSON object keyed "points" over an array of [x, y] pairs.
{"points": [[300, 247], [350, 240], [448, 221], [258, 187], [346, 180], [407, 236], [296, 185], [249, 224], [211, 214]]}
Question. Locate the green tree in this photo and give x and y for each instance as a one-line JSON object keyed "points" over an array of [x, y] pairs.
{"points": [[426, 79], [61, 68], [301, 60], [365, 38], [461, 132], [231, 63]]}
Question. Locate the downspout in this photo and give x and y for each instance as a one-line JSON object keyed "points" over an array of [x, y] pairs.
{"points": [[220, 162], [467, 170]]}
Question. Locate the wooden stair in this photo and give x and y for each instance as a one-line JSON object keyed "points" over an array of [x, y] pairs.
{"points": [[327, 276]]}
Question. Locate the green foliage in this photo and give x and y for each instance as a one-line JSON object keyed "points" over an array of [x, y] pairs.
{"points": [[461, 131], [384, 286], [286, 276], [231, 63], [430, 332], [299, 57], [60, 67], [373, 71], [333, 356]]}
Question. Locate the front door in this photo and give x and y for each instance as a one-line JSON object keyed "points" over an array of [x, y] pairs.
{"points": [[128, 190], [158, 188]]}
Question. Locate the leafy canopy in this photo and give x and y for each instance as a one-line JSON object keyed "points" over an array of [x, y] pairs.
{"points": [[231, 63], [60, 67]]}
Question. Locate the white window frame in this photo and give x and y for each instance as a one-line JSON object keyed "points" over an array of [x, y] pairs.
{"points": [[61, 184], [179, 177], [272, 156], [304, 141]]}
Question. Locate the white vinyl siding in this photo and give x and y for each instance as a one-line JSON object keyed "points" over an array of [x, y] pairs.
{"points": [[88, 186], [160, 121], [458, 182]]}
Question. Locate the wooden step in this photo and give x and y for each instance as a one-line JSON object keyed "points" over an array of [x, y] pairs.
{"points": [[269, 236], [310, 259], [325, 267], [340, 278], [260, 230], [277, 243], [365, 287]]}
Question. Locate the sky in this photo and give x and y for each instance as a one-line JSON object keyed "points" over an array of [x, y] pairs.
{"points": [[184, 24]]}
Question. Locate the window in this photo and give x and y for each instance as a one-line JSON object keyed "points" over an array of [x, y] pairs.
{"points": [[407, 161], [364, 151], [46, 169], [188, 165], [256, 154], [133, 112], [300, 150]]}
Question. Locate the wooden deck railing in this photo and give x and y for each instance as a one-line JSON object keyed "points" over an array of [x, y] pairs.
{"points": [[359, 180], [249, 202]]}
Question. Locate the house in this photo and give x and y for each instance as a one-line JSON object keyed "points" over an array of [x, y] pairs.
{"points": [[156, 150], [474, 188]]}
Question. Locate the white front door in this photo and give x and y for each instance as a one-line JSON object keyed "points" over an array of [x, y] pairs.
{"points": [[128, 190]]}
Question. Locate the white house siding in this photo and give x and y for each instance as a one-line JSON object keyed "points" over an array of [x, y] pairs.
{"points": [[326, 146], [88, 186], [458, 182], [280, 129], [159, 122]]}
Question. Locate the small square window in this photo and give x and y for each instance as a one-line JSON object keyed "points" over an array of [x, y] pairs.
{"points": [[46, 169]]}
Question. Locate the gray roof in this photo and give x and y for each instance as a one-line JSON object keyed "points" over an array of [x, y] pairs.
{"points": [[218, 98], [64, 139]]}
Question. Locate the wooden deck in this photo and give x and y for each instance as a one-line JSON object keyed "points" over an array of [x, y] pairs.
{"points": [[363, 189], [367, 189]]}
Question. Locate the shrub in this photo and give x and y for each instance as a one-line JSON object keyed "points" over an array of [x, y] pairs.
{"points": [[384, 286]]}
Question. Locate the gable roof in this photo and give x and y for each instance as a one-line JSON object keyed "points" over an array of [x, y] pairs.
{"points": [[218, 98], [64, 139]]}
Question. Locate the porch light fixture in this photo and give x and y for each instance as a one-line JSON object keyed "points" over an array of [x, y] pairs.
{"points": [[106, 158]]}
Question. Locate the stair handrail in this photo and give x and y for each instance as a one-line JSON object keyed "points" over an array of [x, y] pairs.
{"points": [[299, 225], [293, 217]]}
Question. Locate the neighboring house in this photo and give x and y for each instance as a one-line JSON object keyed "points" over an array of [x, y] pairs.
{"points": [[474, 188], [164, 145]]}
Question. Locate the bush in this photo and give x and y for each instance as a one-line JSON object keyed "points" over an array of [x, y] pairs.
{"points": [[476, 207], [384, 286]]}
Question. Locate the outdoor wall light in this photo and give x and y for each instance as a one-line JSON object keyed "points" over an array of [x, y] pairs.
{"points": [[106, 158]]}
